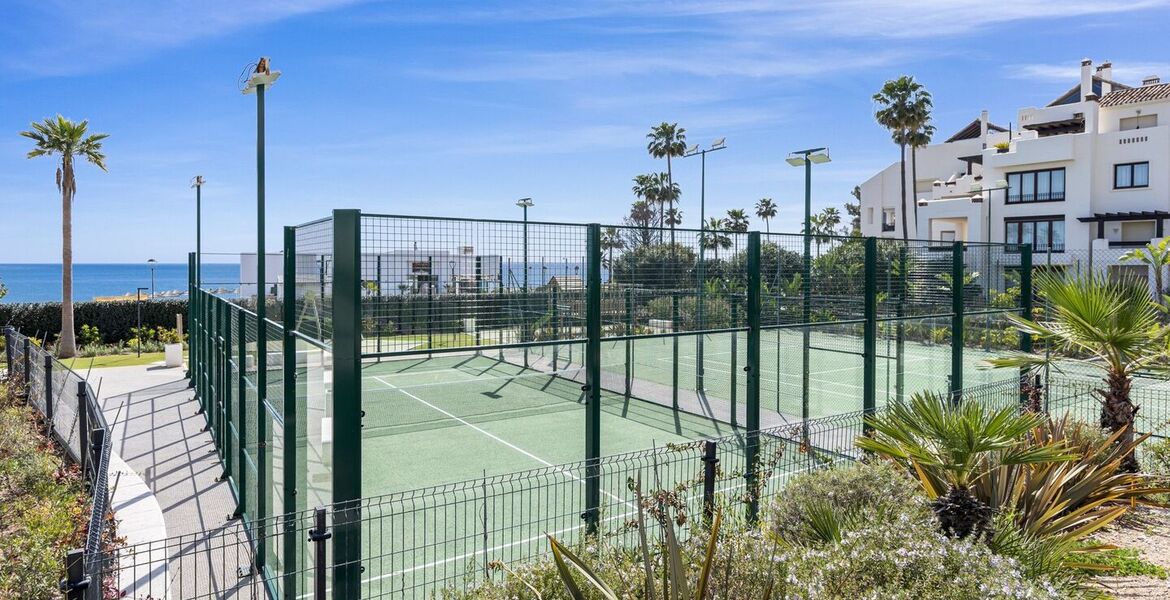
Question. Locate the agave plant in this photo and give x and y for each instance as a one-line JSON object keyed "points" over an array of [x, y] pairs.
{"points": [[952, 447], [1108, 326]]}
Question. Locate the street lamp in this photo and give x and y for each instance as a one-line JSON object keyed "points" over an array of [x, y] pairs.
{"points": [[718, 144], [138, 336], [806, 159], [977, 198], [197, 183], [525, 203], [261, 78], [151, 262]]}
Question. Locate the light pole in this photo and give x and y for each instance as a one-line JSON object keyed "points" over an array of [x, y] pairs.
{"points": [[718, 144], [977, 198], [261, 78], [151, 262], [138, 337], [525, 203], [806, 158], [197, 183]]}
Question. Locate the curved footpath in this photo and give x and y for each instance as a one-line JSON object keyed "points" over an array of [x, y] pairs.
{"points": [[165, 482]]}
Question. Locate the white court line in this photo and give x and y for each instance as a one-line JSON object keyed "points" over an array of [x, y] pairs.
{"points": [[497, 438]]}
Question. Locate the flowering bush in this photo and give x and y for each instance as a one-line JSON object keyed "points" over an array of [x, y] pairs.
{"points": [[892, 550]]}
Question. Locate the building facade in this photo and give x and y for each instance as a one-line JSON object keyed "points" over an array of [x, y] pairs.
{"points": [[1088, 175]]}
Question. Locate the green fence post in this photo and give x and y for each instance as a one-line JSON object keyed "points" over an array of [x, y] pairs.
{"points": [[347, 402], [292, 377], [734, 361], [242, 414], [674, 349], [1025, 312], [556, 330], [191, 337], [957, 329], [752, 371], [227, 450], [869, 370], [629, 342], [900, 329], [593, 381]]}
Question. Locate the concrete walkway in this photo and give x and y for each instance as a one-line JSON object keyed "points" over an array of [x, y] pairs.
{"points": [[158, 433]]}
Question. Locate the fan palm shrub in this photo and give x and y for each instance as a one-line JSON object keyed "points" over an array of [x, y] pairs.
{"points": [[1108, 326], [952, 447]]}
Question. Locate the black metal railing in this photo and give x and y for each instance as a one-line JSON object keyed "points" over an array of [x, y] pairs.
{"points": [[73, 419]]}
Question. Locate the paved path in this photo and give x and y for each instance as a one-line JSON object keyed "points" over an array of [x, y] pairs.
{"points": [[157, 431]]}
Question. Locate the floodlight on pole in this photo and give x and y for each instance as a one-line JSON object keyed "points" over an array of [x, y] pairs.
{"points": [[718, 144], [151, 262], [525, 203], [806, 159]]}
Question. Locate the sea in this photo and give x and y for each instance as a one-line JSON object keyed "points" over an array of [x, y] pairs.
{"points": [[42, 282]]}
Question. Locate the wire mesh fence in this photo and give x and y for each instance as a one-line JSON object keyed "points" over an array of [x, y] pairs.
{"points": [[73, 419]]}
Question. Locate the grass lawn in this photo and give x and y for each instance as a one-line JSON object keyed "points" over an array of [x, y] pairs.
{"points": [[113, 360]]}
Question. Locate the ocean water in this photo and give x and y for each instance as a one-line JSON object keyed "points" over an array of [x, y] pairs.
{"points": [[42, 282]]}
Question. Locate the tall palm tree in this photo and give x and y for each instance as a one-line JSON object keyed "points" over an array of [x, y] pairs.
{"points": [[69, 140], [854, 210], [901, 104], [1108, 326], [919, 138], [611, 240], [831, 219], [667, 140], [1157, 257], [737, 220], [766, 210]]}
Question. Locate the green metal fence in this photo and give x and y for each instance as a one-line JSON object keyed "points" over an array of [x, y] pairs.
{"points": [[386, 330]]}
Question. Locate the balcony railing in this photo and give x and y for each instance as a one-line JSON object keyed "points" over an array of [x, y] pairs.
{"points": [[1035, 197], [1037, 248], [887, 227]]}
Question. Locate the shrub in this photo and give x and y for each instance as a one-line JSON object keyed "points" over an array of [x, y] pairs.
{"points": [[113, 319], [880, 490]]}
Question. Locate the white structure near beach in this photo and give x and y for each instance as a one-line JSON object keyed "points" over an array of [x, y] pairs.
{"points": [[1086, 175]]}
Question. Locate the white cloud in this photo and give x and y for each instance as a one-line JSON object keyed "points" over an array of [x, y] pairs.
{"points": [[1124, 72], [87, 35]]}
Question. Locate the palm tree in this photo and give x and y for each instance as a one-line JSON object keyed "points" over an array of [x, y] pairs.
{"points": [[665, 193], [854, 210], [737, 220], [640, 218], [645, 189], [667, 140], [956, 446], [919, 138], [611, 240], [1157, 256], [70, 140], [902, 103], [674, 217], [1108, 326], [831, 218], [714, 238], [766, 210]]}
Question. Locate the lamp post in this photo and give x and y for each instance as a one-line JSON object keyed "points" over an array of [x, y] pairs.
{"points": [[525, 203], [977, 198], [718, 144], [138, 336], [806, 158], [151, 262], [258, 82]]}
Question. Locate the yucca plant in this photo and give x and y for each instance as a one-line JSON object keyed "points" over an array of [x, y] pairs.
{"points": [[952, 447], [1073, 498], [1108, 326]]}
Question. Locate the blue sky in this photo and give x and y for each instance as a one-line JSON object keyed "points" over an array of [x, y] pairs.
{"points": [[459, 108]]}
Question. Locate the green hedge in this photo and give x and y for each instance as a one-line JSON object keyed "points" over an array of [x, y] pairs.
{"points": [[113, 319]]}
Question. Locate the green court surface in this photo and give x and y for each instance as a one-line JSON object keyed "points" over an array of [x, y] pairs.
{"points": [[452, 418]]}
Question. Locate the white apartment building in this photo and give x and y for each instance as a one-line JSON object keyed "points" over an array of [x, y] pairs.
{"points": [[1086, 175]]}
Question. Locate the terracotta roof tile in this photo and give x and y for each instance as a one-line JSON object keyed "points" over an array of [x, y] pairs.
{"points": [[1145, 93]]}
